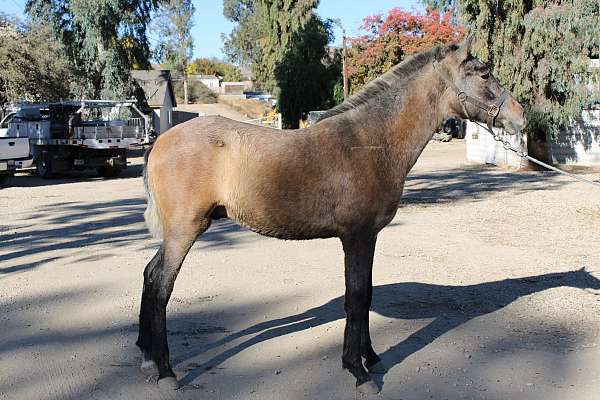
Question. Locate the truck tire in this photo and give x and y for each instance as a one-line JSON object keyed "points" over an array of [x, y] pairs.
{"points": [[109, 172], [43, 166], [4, 179]]}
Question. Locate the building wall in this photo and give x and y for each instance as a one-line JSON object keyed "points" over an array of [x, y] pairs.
{"points": [[483, 149], [212, 84], [166, 116], [580, 144]]}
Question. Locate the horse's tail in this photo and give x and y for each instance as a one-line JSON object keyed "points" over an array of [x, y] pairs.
{"points": [[151, 215]]}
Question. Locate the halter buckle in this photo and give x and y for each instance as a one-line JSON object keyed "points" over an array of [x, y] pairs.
{"points": [[462, 97], [493, 111]]}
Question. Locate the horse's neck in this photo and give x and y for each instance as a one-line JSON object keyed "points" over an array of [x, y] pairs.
{"points": [[405, 129]]}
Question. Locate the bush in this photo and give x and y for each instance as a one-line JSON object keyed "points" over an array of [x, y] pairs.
{"points": [[198, 93]]}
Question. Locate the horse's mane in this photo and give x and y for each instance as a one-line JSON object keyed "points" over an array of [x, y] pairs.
{"points": [[394, 76]]}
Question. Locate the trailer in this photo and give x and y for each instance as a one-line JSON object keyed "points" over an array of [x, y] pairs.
{"points": [[80, 135]]}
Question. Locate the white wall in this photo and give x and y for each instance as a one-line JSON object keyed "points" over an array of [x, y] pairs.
{"points": [[483, 149], [580, 144]]}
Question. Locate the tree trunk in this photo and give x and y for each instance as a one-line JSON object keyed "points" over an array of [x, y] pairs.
{"points": [[185, 89]]}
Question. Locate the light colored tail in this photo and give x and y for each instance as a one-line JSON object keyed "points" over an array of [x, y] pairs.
{"points": [[151, 215]]}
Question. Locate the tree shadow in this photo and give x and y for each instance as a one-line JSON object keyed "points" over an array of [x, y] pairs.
{"points": [[473, 183], [78, 225], [25, 179], [71, 226], [447, 306], [117, 359]]}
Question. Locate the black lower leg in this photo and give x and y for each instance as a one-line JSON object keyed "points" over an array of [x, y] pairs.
{"points": [[163, 280], [366, 348], [358, 252], [144, 341]]}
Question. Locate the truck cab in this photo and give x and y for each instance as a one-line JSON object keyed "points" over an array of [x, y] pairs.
{"points": [[13, 150]]}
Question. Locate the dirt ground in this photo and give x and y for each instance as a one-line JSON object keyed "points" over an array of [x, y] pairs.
{"points": [[480, 293], [214, 109]]}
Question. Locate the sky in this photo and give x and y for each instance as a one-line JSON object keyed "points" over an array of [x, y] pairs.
{"points": [[210, 24]]}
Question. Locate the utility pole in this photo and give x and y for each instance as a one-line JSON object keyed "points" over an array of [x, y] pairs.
{"points": [[344, 65], [338, 22]]}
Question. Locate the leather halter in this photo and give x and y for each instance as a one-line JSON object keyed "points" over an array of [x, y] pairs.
{"points": [[492, 110]]}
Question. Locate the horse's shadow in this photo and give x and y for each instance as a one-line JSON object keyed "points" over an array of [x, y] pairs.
{"points": [[447, 306]]}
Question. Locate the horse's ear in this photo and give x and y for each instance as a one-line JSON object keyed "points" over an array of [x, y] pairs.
{"points": [[465, 46]]}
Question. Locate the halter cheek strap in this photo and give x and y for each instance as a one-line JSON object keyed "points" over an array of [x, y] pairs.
{"points": [[492, 110]]}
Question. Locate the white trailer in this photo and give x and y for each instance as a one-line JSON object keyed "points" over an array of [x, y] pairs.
{"points": [[78, 135]]}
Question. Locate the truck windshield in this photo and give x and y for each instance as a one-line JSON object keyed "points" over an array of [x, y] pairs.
{"points": [[6, 120]]}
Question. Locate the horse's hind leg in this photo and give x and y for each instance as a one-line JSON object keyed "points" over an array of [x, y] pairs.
{"points": [[159, 279], [144, 341]]}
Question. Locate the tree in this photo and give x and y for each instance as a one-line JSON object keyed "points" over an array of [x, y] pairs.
{"points": [[388, 40], [540, 50], [305, 82], [285, 43], [265, 28], [175, 47], [32, 63], [207, 66], [103, 40]]}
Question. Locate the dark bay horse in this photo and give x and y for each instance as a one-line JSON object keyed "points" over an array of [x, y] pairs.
{"points": [[343, 177]]}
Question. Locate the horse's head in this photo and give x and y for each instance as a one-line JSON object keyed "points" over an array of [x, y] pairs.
{"points": [[474, 93]]}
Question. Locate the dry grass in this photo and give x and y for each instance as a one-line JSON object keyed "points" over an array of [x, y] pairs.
{"points": [[252, 108]]}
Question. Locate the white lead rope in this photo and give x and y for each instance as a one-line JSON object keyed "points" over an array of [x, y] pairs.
{"points": [[507, 146]]}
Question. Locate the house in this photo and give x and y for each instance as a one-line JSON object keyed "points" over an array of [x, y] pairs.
{"points": [[210, 81], [232, 88], [158, 91]]}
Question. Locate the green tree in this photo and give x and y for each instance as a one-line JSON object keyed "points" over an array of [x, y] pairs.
{"points": [[175, 46], [207, 66], [285, 43], [32, 63], [540, 50], [305, 82], [264, 30], [242, 46], [103, 39]]}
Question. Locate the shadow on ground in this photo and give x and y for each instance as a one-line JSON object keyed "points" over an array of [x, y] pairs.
{"points": [[473, 183], [447, 306], [24, 179], [55, 228]]}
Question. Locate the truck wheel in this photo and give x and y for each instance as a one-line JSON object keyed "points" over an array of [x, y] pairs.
{"points": [[109, 172], [4, 179], [44, 166]]}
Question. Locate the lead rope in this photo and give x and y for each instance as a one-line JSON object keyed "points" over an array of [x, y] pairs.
{"points": [[507, 146]]}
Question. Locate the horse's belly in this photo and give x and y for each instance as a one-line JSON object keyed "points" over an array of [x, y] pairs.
{"points": [[285, 223]]}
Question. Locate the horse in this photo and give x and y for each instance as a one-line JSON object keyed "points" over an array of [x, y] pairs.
{"points": [[342, 177]]}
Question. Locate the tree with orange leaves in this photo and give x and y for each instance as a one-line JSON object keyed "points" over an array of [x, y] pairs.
{"points": [[388, 40]]}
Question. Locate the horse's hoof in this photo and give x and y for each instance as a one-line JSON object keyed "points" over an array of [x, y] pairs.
{"points": [[168, 383], [369, 387], [377, 368], [149, 368]]}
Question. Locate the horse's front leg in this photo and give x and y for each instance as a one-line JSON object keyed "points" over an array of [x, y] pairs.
{"points": [[358, 258], [372, 361]]}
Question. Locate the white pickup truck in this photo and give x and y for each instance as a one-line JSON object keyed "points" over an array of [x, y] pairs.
{"points": [[14, 151], [78, 135]]}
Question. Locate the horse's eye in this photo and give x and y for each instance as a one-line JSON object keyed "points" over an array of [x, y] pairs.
{"points": [[485, 75]]}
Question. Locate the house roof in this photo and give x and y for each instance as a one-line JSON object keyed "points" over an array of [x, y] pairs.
{"points": [[156, 85]]}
